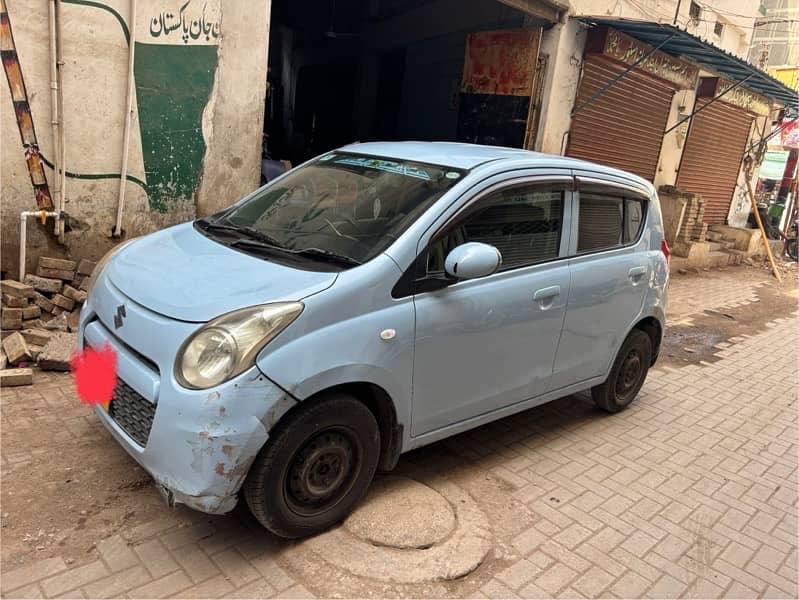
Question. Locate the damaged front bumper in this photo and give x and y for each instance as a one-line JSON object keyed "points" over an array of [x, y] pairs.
{"points": [[198, 445]]}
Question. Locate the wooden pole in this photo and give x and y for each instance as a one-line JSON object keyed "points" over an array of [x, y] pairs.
{"points": [[759, 221]]}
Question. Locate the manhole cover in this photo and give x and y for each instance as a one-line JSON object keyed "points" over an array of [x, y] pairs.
{"points": [[402, 513], [408, 531]]}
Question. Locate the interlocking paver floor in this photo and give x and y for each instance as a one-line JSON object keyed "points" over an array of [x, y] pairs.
{"points": [[692, 492]]}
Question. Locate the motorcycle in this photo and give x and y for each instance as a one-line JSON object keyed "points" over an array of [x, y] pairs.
{"points": [[792, 241]]}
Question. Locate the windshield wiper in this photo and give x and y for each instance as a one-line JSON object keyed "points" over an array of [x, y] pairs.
{"points": [[327, 255], [249, 232]]}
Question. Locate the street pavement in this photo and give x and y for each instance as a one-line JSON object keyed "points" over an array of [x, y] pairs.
{"points": [[692, 492]]}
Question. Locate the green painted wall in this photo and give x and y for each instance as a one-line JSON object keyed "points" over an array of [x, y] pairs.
{"points": [[173, 86]]}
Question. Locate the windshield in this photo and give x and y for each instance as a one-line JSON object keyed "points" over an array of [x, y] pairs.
{"points": [[342, 205]]}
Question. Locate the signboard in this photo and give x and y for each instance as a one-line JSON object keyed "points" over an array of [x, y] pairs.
{"points": [[789, 136], [628, 50], [501, 62], [773, 165], [741, 96]]}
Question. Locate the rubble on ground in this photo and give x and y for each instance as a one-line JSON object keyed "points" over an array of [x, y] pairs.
{"points": [[39, 318]]}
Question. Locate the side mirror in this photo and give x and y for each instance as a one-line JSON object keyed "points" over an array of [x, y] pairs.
{"points": [[472, 260]]}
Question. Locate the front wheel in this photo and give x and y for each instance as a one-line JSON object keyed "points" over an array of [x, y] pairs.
{"points": [[627, 374], [315, 467]]}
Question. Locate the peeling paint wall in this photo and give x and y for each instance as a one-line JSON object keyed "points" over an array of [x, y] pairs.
{"points": [[195, 137]]}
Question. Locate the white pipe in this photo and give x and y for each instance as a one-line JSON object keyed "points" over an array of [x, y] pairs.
{"points": [[23, 233], [54, 111], [123, 173], [59, 221]]}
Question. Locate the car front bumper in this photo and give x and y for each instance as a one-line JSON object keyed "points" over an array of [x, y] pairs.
{"points": [[198, 445]]}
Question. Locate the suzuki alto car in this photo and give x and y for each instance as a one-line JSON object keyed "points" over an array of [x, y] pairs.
{"points": [[373, 300]]}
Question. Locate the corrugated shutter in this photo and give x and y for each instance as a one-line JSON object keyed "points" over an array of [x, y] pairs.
{"points": [[712, 157], [623, 127]]}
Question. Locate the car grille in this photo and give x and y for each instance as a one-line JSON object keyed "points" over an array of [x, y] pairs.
{"points": [[132, 412]]}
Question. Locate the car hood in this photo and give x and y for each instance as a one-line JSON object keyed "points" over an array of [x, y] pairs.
{"points": [[180, 273]]}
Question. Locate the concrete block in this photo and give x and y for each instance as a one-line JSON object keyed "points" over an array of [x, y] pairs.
{"points": [[44, 284], [43, 302], [57, 263], [39, 337], [85, 267], [32, 323], [15, 288], [59, 323], [14, 301], [3, 359], [57, 352], [55, 273], [63, 302], [31, 312], [73, 294], [15, 377], [16, 348], [73, 320], [11, 318], [673, 209]]}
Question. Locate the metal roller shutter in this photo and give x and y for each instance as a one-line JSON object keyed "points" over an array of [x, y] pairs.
{"points": [[712, 157], [623, 127]]}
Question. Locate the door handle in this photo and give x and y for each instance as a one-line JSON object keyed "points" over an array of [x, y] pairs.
{"points": [[637, 272], [547, 292]]}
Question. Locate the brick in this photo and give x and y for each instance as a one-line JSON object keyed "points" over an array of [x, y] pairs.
{"points": [[38, 337], [594, 582], [3, 359], [259, 588], [235, 568], [518, 574], [196, 563], [58, 584], [15, 288], [116, 553], [55, 273], [44, 284], [16, 578], [43, 302], [15, 301], [272, 572], [666, 587], [117, 584], [215, 587], [10, 320], [16, 349], [63, 302], [556, 578], [31, 312], [35, 351], [85, 267], [162, 588], [55, 356], [59, 323], [57, 263], [73, 320], [156, 558], [73, 294]]}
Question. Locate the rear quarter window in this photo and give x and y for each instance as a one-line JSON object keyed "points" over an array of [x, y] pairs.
{"points": [[608, 220]]}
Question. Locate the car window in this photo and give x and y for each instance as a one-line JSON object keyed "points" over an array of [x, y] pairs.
{"points": [[524, 223], [607, 220]]}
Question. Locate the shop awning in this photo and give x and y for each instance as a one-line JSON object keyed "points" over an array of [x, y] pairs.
{"points": [[677, 42]]}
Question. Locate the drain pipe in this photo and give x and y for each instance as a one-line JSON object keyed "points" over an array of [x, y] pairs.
{"points": [[23, 233], [123, 172], [62, 144], [54, 110]]}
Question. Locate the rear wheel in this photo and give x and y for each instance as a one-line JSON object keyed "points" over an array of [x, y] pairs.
{"points": [[627, 374], [315, 467], [791, 248]]}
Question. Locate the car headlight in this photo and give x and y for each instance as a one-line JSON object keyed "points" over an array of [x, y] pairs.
{"points": [[228, 345], [103, 263]]}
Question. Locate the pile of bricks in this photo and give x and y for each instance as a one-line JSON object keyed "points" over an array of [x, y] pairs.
{"points": [[693, 229], [39, 317]]}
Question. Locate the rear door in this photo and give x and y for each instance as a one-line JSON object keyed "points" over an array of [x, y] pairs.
{"points": [[487, 343], [610, 274]]}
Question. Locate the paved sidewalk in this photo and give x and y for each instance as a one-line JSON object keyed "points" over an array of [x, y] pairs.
{"points": [[692, 492]]}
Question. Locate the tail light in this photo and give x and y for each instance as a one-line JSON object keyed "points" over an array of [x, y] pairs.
{"points": [[664, 248]]}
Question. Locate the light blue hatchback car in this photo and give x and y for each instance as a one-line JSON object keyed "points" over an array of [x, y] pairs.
{"points": [[373, 300]]}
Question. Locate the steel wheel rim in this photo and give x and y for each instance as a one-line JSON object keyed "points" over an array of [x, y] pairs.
{"points": [[321, 472], [629, 375]]}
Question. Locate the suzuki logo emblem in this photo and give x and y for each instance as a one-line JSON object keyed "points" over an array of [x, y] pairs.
{"points": [[118, 318]]}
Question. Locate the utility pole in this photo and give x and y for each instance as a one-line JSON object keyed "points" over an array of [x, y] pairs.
{"points": [[676, 12]]}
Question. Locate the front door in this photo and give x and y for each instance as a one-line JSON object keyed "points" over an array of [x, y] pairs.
{"points": [[487, 343]]}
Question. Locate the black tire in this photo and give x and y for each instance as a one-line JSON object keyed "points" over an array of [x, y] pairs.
{"points": [[315, 467], [627, 375], [791, 248]]}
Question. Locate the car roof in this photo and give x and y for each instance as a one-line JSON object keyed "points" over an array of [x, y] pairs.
{"points": [[468, 156]]}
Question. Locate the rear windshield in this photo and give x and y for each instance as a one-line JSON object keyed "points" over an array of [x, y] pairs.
{"points": [[344, 204]]}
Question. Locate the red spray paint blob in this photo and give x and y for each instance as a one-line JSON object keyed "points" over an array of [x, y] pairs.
{"points": [[95, 375]]}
